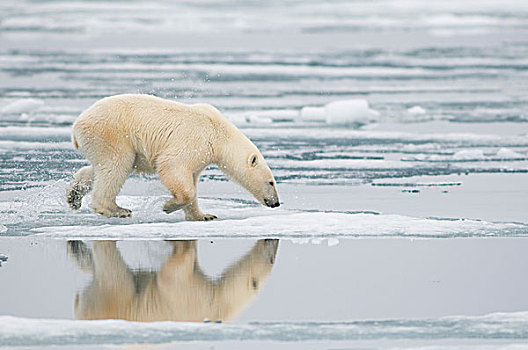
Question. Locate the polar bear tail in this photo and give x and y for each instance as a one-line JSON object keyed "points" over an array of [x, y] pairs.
{"points": [[74, 140]]}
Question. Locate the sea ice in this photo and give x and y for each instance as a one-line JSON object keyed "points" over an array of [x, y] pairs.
{"points": [[332, 242], [416, 110], [468, 154], [506, 153], [344, 112], [260, 119], [22, 106], [291, 224], [18, 331], [313, 113]]}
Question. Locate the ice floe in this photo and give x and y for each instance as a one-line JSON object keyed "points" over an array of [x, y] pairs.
{"points": [[22, 106], [34, 133], [416, 110], [287, 224], [506, 153], [345, 112], [469, 154], [18, 331]]}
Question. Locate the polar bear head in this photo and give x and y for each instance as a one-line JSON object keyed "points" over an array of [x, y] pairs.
{"points": [[241, 161]]}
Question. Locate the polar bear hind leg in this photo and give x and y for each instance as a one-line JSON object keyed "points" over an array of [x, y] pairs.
{"points": [[109, 176], [81, 184]]}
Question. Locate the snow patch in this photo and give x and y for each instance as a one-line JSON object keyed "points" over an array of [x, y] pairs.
{"points": [[314, 225], [31, 146], [259, 119], [416, 110], [346, 112], [469, 154], [22, 106], [332, 242], [35, 133], [506, 153]]}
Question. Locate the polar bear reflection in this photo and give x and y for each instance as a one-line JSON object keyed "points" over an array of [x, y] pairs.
{"points": [[179, 291]]}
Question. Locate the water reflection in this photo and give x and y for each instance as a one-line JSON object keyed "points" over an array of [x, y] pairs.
{"points": [[179, 291]]}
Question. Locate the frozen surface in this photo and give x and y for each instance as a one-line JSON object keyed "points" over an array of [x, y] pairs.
{"points": [[27, 332], [22, 105], [297, 225], [345, 112], [434, 207]]}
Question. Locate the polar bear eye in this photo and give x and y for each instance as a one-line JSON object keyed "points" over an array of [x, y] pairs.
{"points": [[271, 183]]}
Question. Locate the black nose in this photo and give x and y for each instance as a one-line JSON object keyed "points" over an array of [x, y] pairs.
{"points": [[271, 204]]}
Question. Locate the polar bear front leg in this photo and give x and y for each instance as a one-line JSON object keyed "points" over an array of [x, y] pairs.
{"points": [[192, 211], [180, 184]]}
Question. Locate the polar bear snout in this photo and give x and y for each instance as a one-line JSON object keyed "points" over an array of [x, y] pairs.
{"points": [[271, 203], [270, 195]]}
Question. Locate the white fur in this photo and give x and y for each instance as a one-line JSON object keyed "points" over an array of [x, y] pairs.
{"points": [[179, 291], [126, 133]]}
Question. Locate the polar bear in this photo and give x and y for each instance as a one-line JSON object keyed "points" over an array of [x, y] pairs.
{"points": [[179, 291], [132, 132]]}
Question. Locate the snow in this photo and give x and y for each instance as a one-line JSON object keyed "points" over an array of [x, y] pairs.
{"points": [[469, 154], [467, 138], [332, 242], [22, 106], [348, 112], [506, 153], [344, 112], [35, 132], [259, 119], [313, 113], [17, 331], [287, 224], [23, 145], [416, 110]]}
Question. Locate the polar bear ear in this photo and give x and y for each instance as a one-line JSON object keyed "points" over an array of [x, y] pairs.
{"points": [[253, 160]]}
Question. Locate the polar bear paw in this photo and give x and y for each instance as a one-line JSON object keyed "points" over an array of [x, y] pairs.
{"points": [[208, 217], [117, 212], [200, 217], [74, 198]]}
